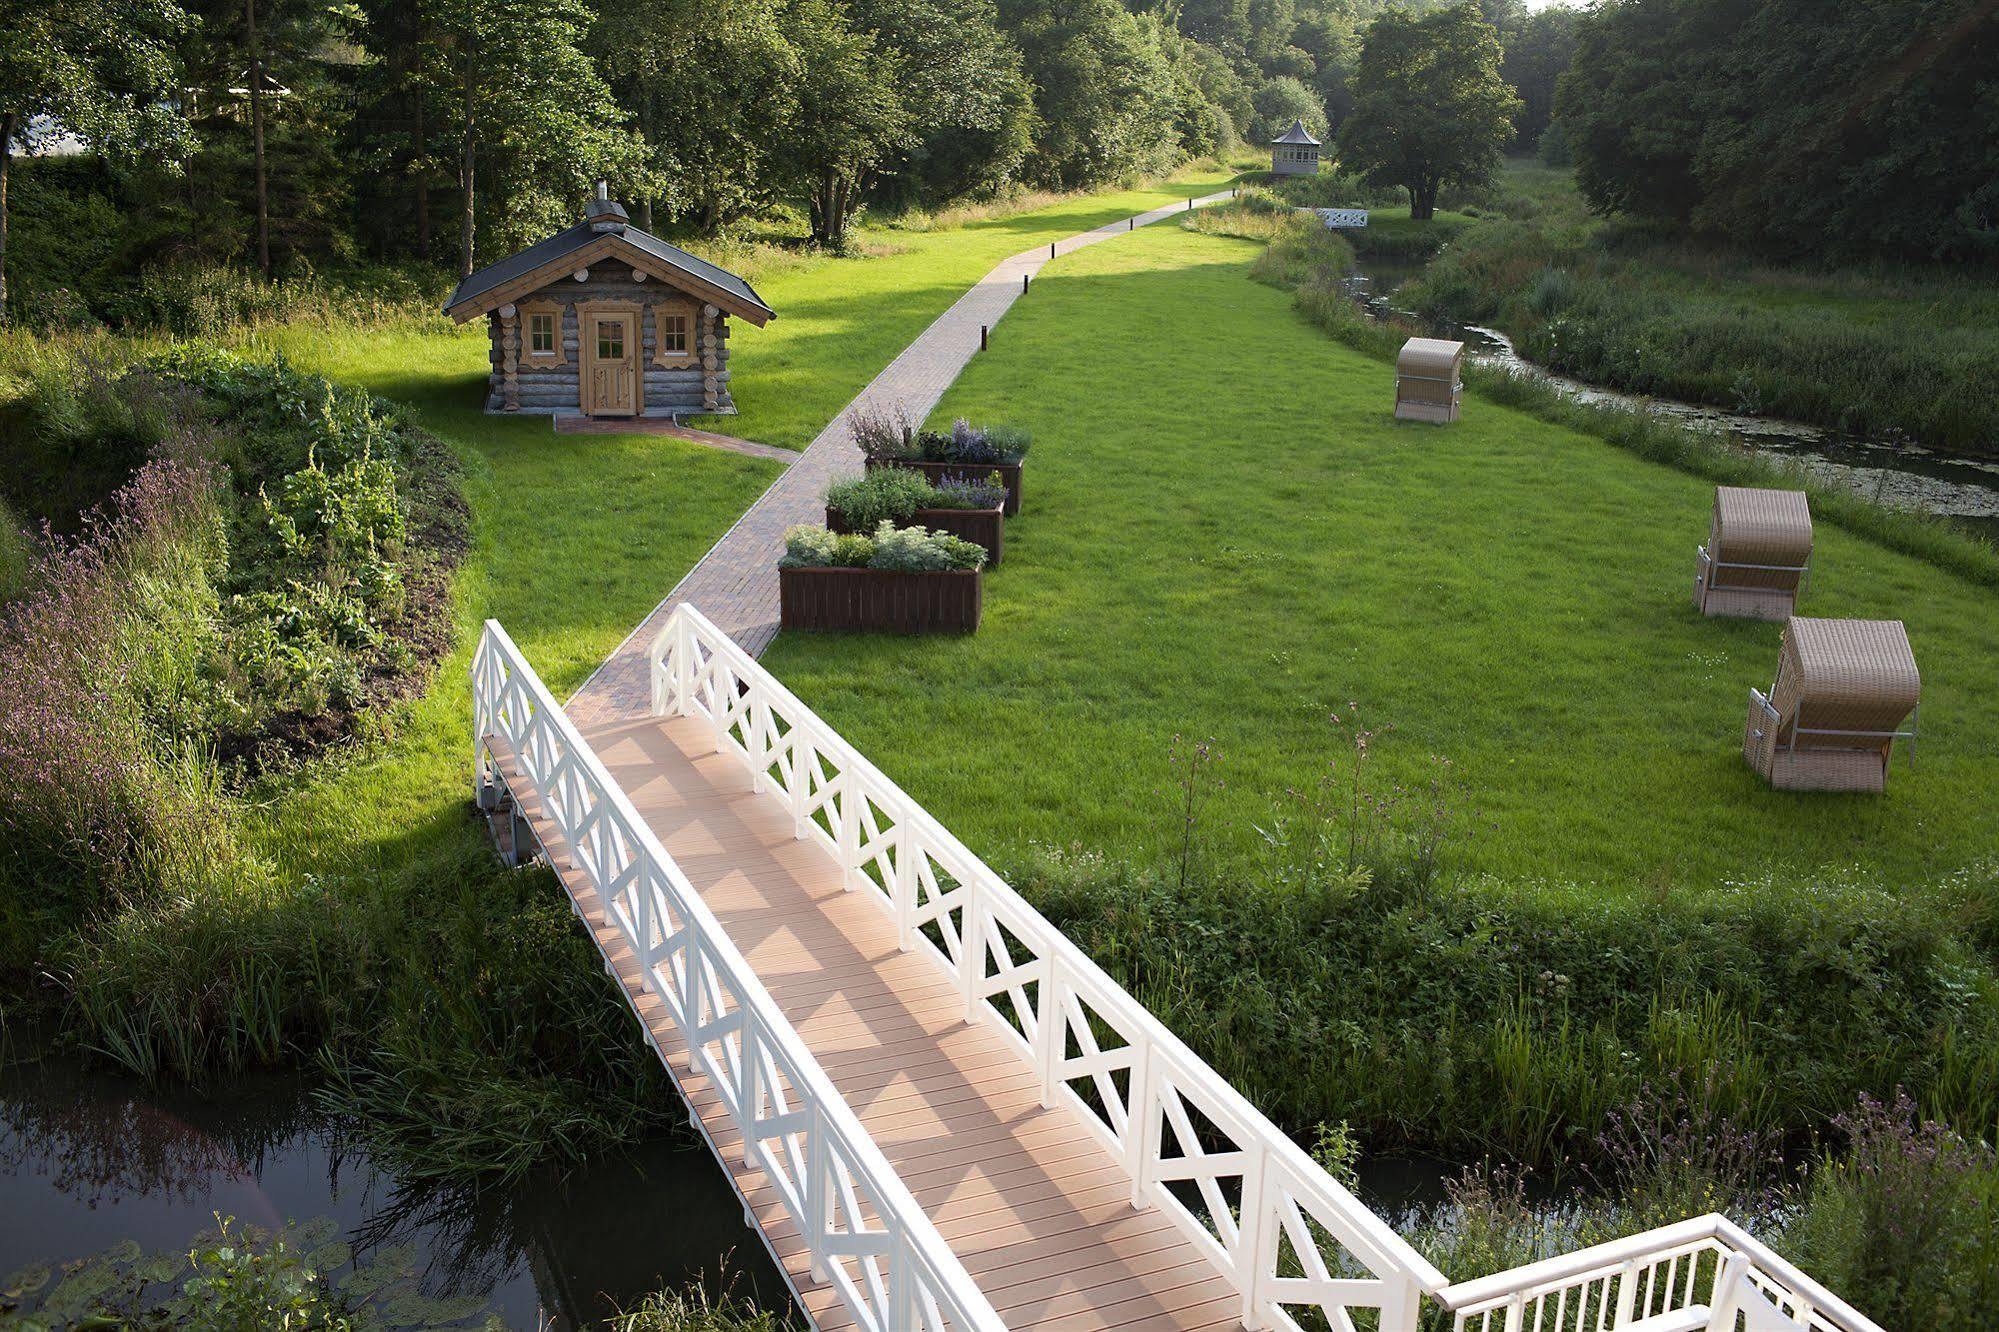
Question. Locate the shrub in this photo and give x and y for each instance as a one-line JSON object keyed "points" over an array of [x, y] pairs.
{"points": [[987, 492], [1904, 1225], [967, 443], [884, 495], [917, 550], [882, 433]]}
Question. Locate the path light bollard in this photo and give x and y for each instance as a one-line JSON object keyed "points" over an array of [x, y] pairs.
{"points": [[1190, 205], [1130, 223], [1023, 284], [1051, 249], [982, 337]]}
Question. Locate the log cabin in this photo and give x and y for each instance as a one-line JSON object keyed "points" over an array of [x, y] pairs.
{"points": [[606, 320]]}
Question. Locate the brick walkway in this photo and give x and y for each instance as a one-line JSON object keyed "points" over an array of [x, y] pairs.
{"points": [[735, 584]]}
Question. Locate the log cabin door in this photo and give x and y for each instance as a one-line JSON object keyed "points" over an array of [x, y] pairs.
{"points": [[611, 364]]}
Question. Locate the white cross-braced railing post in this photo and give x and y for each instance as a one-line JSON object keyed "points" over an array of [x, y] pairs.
{"points": [[1289, 1237], [866, 1234]]}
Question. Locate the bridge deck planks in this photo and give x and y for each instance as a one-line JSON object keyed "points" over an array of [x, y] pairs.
{"points": [[1033, 1204]]}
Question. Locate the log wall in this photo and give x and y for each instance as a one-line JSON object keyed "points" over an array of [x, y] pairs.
{"points": [[702, 387]]}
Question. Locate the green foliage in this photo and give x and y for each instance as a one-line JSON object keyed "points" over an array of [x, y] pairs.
{"points": [[1880, 353], [1279, 102], [695, 1311], [1788, 127], [1430, 108], [885, 495], [919, 550], [1904, 1223], [237, 1278]]}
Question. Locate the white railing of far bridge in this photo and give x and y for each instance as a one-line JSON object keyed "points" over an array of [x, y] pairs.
{"points": [[867, 1234]]}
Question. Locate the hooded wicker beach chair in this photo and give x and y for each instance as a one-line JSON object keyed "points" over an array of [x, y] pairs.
{"points": [[1843, 692], [1757, 556]]}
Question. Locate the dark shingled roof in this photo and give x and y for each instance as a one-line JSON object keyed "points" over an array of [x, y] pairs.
{"points": [[575, 238], [1296, 134]]}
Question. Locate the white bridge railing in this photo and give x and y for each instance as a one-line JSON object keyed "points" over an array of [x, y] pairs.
{"points": [[1706, 1274], [866, 1233], [1294, 1242], [1284, 1231]]}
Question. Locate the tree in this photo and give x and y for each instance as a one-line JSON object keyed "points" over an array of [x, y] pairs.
{"points": [[1104, 90], [1537, 54], [1430, 109], [530, 103], [1281, 101], [101, 69], [970, 108], [849, 116], [1632, 123], [714, 143], [1796, 128]]}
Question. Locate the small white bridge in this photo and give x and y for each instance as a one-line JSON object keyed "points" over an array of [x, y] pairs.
{"points": [[938, 1112]]}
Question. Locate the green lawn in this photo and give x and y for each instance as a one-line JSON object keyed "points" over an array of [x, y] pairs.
{"points": [[1227, 537], [577, 537], [839, 321]]}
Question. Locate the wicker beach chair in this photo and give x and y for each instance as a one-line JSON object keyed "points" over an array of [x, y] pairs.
{"points": [[1757, 556], [1844, 688]]}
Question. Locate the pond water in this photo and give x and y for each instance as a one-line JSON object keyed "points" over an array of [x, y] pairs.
{"points": [[89, 1161], [1894, 472]]}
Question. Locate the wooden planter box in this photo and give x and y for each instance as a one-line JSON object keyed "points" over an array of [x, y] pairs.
{"points": [[981, 527], [902, 603], [953, 471]]}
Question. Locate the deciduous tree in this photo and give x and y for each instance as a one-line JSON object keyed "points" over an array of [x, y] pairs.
{"points": [[101, 69], [1430, 109]]}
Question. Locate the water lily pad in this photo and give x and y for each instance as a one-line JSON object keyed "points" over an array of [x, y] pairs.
{"points": [[80, 1289], [328, 1257], [27, 1281], [413, 1308], [164, 1265], [124, 1253], [313, 1233]]}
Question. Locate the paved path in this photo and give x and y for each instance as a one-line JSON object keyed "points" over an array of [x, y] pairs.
{"points": [[735, 584]]}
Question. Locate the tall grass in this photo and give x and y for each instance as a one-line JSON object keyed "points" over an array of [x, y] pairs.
{"points": [[1882, 353]]}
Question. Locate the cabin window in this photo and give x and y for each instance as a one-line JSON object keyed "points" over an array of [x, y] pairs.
{"points": [[541, 333], [673, 334], [610, 340]]}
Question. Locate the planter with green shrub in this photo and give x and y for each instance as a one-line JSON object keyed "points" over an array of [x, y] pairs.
{"points": [[906, 580], [972, 510]]}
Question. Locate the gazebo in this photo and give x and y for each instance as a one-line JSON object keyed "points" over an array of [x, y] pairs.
{"points": [[1843, 692], [1294, 152], [1757, 556], [606, 320]]}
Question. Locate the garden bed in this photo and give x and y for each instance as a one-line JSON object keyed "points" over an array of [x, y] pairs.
{"points": [[981, 527], [939, 472], [932, 602]]}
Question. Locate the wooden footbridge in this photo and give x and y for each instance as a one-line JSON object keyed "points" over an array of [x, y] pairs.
{"points": [[939, 1114]]}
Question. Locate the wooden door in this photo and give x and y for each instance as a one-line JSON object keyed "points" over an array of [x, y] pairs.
{"points": [[611, 364]]}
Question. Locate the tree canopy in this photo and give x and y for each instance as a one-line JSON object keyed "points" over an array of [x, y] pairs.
{"points": [[1793, 126], [1430, 109]]}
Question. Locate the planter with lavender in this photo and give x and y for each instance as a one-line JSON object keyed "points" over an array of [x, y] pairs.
{"points": [[964, 453], [971, 510], [902, 580]]}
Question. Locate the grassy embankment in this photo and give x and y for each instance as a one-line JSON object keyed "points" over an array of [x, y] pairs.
{"points": [[370, 929], [1902, 350], [1577, 889]]}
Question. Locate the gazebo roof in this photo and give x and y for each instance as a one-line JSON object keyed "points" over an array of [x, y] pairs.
{"points": [[1296, 134], [476, 291]]}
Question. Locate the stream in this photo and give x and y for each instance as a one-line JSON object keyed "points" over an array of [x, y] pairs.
{"points": [[91, 1161], [1896, 473]]}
